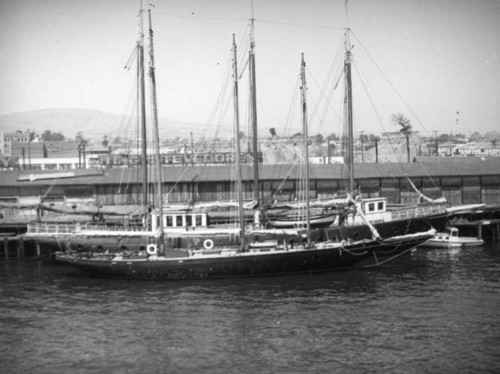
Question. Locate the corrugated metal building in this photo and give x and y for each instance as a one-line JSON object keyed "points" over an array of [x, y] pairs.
{"points": [[461, 180]]}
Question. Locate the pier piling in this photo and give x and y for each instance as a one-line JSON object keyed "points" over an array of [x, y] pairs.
{"points": [[6, 247], [20, 248], [496, 233]]}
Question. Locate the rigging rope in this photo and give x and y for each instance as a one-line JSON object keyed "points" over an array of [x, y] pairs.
{"points": [[390, 83], [216, 117], [391, 142]]}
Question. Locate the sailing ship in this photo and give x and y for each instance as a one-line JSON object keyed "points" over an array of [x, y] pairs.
{"points": [[245, 259], [187, 227], [160, 262], [186, 232], [340, 216]]}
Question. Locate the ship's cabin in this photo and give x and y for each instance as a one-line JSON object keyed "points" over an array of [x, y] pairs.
{"points": [[374, 205], [374, 209], [180, 220], [452, 232]]}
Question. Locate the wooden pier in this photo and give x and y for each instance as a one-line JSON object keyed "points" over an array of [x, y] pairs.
{"points": [[483, 223], [16, 248], [484, 229]]}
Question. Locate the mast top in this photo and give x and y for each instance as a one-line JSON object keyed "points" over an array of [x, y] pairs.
{"points": [[252, 20], [141, 24], [346, 9], [347, 41]]}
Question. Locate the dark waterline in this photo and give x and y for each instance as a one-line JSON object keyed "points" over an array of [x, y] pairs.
{"points": [[433, 311]]}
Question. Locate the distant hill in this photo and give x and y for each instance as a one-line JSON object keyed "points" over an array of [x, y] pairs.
{"points": [[93, 124]]}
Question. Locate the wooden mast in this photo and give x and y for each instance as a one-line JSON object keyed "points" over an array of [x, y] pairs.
{"points": [[349, 155], [303, 90], [253, 111], [142, 109], [238, 150], [156, 134]]}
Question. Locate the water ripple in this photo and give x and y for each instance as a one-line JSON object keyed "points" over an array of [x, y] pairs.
{"points": [[433, 311]]}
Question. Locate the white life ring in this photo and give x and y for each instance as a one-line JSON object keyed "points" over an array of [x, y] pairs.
{"points": [[151, 249], [208, 244]]}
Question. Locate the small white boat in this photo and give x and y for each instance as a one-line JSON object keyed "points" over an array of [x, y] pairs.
{"points": [[451, 239]]}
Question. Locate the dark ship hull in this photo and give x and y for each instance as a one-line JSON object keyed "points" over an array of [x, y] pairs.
{"points": [[223, 263]]}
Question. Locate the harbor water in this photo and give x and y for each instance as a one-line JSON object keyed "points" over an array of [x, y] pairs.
{"points": [[432, 311]]}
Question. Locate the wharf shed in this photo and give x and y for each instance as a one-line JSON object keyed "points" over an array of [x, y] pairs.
{"points": [[461, 180]]}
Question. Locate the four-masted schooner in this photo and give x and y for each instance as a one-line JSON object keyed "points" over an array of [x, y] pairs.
{"points": [[149, 254]]}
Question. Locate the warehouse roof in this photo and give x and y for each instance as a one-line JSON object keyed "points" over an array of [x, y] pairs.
{"points": [[428, 167]]}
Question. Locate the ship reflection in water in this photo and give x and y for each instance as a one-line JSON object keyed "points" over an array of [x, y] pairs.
{"points": [[434, 310]]}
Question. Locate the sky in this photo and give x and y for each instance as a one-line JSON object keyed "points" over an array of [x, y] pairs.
{"points": [[435, 61]]}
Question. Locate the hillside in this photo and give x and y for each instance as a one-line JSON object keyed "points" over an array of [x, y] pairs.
{"points": [[93, 124]]}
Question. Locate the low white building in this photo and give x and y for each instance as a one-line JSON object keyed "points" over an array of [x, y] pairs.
{"points": [[7, 138], [62, 163], [61, 155]]}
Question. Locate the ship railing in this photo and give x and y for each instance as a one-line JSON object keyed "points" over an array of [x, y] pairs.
{"points": [[414, 212], [71, 228], [50, 228]]}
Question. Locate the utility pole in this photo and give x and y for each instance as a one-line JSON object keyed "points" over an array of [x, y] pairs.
{"points": [[328, 150], [192, 150], [362, 147], [436, 139], [376, 150], [24, 159], [29, 150], [84, 157], [407, 135]]}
